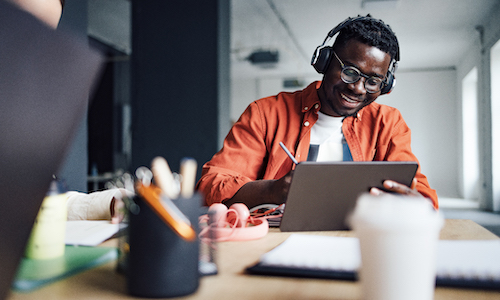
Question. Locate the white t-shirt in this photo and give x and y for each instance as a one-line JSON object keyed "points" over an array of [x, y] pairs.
{"points": [[327, 134]]}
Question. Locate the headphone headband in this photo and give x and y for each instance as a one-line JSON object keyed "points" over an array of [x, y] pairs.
{"points": [[323, 53]]}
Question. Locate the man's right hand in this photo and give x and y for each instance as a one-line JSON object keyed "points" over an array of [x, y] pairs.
{"points": [[259, 192]]}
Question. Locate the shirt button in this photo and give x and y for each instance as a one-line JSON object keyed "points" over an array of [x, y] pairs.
{"points": [[316, 106], [306, 108], [306, 123]]}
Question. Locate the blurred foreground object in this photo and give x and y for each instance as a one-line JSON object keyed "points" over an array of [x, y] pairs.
{"points": [[45, 80], [398, 237]]}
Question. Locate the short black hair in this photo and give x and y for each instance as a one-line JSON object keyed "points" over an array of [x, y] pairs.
{"points": [[370, 31]]}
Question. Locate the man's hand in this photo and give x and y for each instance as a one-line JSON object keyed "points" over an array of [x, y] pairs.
{"points": [[259, 192], [281, 188], [117, 208], [399, 188]]}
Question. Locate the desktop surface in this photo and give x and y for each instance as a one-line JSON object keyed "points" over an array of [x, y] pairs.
{"points": [[233, 283]]}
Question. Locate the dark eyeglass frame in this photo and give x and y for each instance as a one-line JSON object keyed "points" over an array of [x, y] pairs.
{"points": [[344, 77]]}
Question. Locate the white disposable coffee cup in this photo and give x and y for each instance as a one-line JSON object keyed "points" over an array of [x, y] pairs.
{"points": [[398, 237]]}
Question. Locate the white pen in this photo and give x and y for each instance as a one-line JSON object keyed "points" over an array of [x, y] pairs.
{"points": [[164, 177], [288, 153], [188, 174]]}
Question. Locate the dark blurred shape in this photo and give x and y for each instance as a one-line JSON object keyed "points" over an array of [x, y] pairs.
{"points": [[45, 80], [264, 58]]}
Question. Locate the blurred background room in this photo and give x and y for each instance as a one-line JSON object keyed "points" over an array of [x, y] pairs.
{"points": [[178, 73]]}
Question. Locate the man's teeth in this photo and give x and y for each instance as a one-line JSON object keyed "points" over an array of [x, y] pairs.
{"points": [[348, 99]]}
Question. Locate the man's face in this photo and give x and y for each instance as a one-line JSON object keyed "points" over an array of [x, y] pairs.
{"points": [[344, 99]]}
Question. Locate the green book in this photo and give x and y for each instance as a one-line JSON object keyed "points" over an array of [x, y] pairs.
{"points": [[34, 273]]}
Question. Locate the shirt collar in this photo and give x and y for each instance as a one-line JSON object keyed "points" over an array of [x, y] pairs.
{"points": [[310, 100]]}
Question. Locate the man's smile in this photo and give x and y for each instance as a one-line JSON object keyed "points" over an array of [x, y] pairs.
{"points": [[351, 102]]}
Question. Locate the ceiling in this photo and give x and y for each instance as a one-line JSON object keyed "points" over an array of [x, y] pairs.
{"points": [[433, 34]]}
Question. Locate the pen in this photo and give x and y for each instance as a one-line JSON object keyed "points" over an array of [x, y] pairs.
{"points": [[288, 153], [188, 174], [167, 211], [164, 177]]}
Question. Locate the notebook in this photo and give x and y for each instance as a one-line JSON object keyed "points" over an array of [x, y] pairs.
{"points": [[321, 195], [460, 263], [45, 79], [33, 274]]}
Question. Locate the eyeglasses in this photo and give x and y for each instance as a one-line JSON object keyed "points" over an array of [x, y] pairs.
{"points": [[351, 75]]}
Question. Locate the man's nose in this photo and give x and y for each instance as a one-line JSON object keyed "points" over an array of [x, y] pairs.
{"points": [[358, 87]]}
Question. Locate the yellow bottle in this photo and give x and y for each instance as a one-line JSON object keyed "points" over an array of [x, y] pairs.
{"points": [[48, 233]]}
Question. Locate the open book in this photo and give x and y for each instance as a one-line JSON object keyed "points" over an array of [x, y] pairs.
{"points": [[461, 263]]}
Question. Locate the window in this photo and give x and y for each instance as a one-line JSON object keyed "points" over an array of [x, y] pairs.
{"points": [[470, 136], [495, 122]]}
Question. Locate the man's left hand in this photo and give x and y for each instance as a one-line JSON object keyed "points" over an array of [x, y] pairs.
{"points": [[398, 188]]}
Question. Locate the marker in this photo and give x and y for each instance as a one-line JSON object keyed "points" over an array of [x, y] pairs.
{"points": [[167, 211], [188, 174], [164, 177], [288, 153]]}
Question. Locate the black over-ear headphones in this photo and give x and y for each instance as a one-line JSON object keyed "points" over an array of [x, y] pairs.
{"points": [[323, 54]]}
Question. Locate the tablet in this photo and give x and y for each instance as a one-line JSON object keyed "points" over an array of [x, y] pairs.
{"points": [[321, 195]]}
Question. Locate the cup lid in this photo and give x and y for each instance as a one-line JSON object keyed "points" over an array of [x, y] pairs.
{"points": [[395, 212]]}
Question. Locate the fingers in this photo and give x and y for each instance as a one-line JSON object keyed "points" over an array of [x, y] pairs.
{"points": [[282, 185], [375, 191], [414, 183], [399, 188], [395, 187], [288, 178], [117, 210]]}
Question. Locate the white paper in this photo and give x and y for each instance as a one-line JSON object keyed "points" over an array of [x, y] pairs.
{"points": [[315, 252], [468, 259], [89, 233]]}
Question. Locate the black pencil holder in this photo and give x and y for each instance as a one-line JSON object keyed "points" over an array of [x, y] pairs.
{"points": [[161, 264]]}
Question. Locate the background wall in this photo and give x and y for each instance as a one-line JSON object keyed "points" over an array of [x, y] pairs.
{"points": [[74, 170], [429, 104]]}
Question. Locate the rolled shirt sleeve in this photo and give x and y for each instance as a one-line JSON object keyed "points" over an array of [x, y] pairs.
{"points": [[92, 206]]}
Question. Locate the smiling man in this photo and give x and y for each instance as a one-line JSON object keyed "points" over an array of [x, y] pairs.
{"points": [[335, 119]]}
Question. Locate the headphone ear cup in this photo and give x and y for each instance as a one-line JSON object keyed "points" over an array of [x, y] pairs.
{"points": [[321, 58], [391, 83], [241, 214], [217, 213], [241, 232]]}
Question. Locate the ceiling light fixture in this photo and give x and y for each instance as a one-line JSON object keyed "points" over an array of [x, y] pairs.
{"points": [[264, 58]]}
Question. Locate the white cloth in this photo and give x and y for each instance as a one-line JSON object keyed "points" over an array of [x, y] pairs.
{"points": [[327, 133], [92, 206]]}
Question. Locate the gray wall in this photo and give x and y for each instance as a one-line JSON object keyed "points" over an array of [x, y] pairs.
{"points": [[74, 170]]}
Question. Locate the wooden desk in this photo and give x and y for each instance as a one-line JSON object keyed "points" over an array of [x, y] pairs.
{"points": [[232, 283]]}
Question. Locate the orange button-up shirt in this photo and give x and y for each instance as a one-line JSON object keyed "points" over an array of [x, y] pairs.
{"points": [[251, 150]]}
